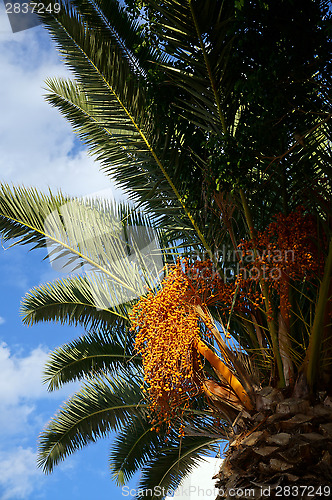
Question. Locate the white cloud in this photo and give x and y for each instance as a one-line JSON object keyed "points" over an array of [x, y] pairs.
{"points": [[22, 416], [199, 485], [38, 146], [19, 476], [5, 29], [17, 419], [21, 388], [2, 320], [21, 376]]}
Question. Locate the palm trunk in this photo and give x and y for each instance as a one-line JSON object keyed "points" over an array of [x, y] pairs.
{"points": [[284, 450]]}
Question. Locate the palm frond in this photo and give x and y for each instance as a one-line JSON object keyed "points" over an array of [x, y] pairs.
{"points": [[139, 445], [111, 138], [196, 40], [111, 20], [174, 462], [23, 212], [119, 258], [132, 449], [75, 301], [100, 406], [122, 122], [96, 353]]}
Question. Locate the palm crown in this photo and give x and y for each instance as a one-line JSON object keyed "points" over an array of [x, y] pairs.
{"points": [[211, 140]]}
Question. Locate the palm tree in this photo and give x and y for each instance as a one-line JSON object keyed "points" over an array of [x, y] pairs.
{"points": [[213, 138]]}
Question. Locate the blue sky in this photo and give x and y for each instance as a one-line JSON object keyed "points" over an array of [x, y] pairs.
{"points": [[37, 148]]}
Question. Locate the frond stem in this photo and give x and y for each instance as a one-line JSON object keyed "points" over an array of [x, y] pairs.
{"points": [[315, 341], [265, 291], [209, 70]]}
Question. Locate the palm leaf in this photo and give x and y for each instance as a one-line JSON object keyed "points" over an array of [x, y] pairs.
{"points": [[120, 259], [132, 449], [107, 351], [74, 301], [173, 463], [110, 18], [199, 57], [101, 406], [120, 127], [139, 445], [23, 212]]}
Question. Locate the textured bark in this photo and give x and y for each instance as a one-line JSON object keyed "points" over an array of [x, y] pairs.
{"points": [[288, 442]]}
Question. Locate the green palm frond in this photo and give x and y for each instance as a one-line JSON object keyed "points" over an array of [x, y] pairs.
{"points": [[174, 462], [96, 353], [139, 445], [110, 18], [111, 136], [119, 258], [197, 58], [119, 119], [23, 212], [132, 449], [100, 406], [75, 301]]}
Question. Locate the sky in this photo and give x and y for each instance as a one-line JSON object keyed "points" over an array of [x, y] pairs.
{"points": [[38, 148]]}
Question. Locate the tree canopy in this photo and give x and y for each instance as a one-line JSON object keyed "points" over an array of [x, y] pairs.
{"points": [[215, 118]]}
